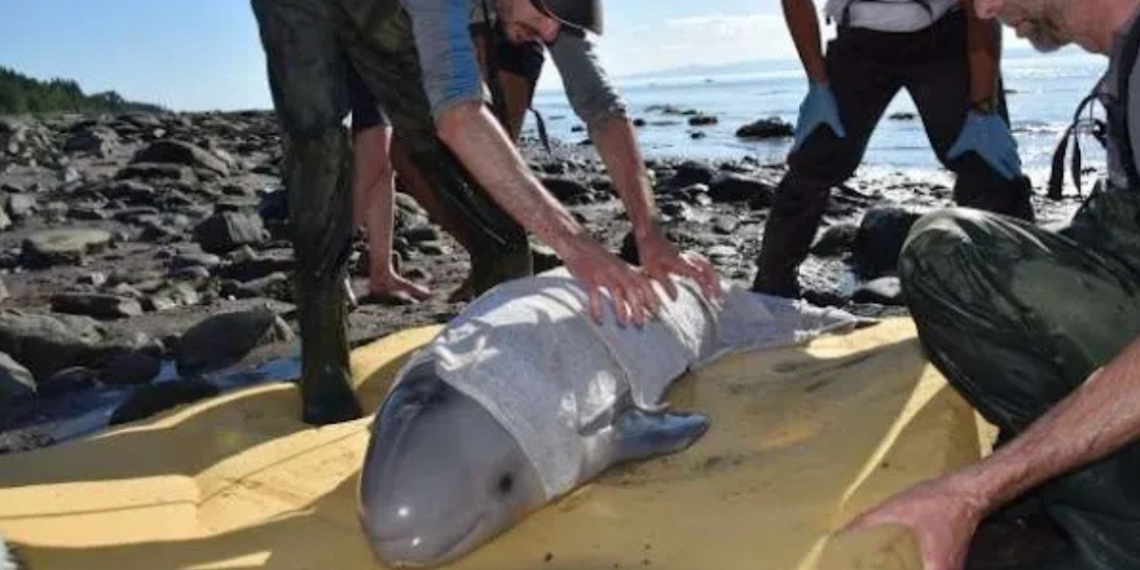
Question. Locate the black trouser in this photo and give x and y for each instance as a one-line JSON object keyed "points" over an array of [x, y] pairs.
{"points": [[1016, 318], [866, 69]]}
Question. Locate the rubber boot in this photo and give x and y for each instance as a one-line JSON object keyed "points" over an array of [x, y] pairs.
{"points": [[318, 182], [788, 235]]}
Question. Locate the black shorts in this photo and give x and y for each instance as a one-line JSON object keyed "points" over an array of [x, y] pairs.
{"points": [[366, 110]]}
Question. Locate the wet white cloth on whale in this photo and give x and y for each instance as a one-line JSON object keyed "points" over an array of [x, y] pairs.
{"points": [[530, 353]]}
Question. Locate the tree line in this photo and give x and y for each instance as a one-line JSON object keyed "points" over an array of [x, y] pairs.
{"points": [[22, 94]]}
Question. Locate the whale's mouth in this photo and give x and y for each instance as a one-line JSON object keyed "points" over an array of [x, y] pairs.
{"points": [[414, 551]]}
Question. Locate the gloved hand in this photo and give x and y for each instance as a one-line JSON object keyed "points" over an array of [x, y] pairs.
{"points": [[987, 135], [818, 108]]}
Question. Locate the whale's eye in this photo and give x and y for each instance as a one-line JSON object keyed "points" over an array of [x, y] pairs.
{"points": [[506, 483]]}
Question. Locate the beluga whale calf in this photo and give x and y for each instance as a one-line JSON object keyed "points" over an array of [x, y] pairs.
{"points": [[523, 398]]}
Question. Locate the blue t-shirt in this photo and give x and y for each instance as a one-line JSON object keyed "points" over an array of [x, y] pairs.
{"points": [[450, 65]]}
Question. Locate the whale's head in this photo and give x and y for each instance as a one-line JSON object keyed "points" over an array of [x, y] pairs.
{"points": [[441, 475]]}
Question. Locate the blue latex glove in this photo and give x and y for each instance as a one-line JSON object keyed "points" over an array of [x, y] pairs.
{"points": [[818, 108], [988, 137]]}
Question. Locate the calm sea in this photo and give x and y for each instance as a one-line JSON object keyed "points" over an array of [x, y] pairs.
{"points": [[1045, 91]]}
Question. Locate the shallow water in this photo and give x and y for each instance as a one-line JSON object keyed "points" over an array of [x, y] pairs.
{"points": [[1046, 91], [48, 420]]}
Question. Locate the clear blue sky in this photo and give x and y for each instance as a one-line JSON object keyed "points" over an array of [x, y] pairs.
{"points": [[205, 54]]}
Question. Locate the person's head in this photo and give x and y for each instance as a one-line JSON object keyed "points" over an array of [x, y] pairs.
{"points": [[1052, 24], [541, 20]]}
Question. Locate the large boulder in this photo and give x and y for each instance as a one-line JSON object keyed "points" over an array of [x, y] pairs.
{"points": [[879, 241], [180, 152], [729, 188], [835, 241], [64, 246], [770, 128], [224, 339], [96, 140], [97, 305], [227, 231], [47, 343], [692, 172]]}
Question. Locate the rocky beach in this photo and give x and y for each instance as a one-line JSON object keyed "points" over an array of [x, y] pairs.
{"points": [[145, 259]]}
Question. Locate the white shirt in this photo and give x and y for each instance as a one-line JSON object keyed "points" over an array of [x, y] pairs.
{"points": [[889, 15]]}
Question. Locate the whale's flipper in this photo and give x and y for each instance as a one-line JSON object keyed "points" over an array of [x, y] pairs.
{"points": [[642, 434]]}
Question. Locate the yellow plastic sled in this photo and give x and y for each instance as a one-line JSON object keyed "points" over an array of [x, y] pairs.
{"points": [[802, 440]]}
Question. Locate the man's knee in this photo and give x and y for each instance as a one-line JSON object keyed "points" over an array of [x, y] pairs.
{"points": [[940, 245]]}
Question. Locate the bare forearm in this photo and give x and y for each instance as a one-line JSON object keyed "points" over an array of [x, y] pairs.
{"points": [[618, 148], [481, 144], [1096, 420], [984, 51], [803, 23]]}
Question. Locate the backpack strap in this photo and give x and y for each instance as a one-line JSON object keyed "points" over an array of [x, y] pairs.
{"points": [[1116, 110], [1057, 173], [541, 125]]}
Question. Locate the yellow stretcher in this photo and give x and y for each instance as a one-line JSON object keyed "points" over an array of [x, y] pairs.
{"points": [[802, 439]]}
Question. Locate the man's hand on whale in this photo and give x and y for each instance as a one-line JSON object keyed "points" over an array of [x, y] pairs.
{"points": [[660, 259], [475, 136], [631, 292], [616, 142]]}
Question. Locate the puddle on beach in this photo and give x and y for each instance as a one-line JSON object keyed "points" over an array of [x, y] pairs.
{"points": [[48, 420]]}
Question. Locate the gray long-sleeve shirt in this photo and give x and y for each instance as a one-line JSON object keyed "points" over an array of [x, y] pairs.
{"points": [[451, 69]]}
